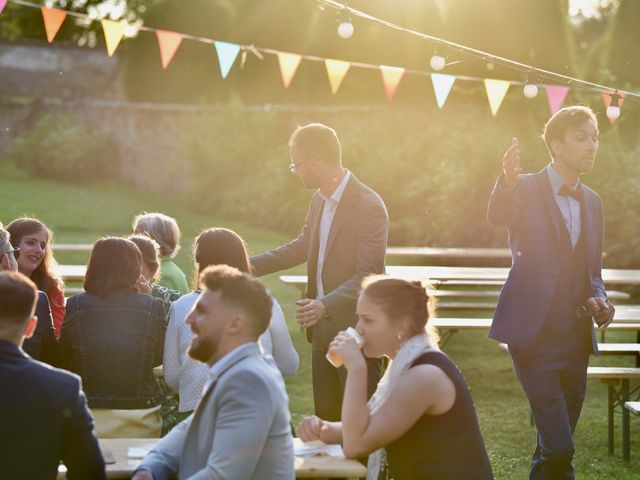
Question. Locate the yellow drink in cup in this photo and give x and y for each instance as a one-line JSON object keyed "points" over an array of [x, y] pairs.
{"points": [[335, 359]]}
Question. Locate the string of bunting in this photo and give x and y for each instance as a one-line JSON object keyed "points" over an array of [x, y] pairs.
{"points": [[391, 76]]}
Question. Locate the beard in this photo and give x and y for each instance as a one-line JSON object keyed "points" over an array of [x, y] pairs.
{"points": [[202, 349]]}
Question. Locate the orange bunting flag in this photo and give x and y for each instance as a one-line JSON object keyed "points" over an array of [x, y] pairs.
{"points": [[289, 63], [391, 77], [496, 90], [168, 43], [53, 18], [113, 32], [336, 69]]}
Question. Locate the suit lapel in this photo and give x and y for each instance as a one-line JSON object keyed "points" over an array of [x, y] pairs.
{"points": [[348, 200], [553, 211]]}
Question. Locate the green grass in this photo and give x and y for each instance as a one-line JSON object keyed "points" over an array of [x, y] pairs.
{"points": [[82, 213]]}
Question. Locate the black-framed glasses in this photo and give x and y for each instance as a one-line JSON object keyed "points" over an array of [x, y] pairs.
{"points": [[15, 251], [294, 166]]}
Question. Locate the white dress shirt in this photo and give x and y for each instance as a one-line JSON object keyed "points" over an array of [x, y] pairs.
{"points": [[328, 212], [569, 206]]}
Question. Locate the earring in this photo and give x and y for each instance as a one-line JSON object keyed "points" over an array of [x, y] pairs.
{"points": [[399, 337]]}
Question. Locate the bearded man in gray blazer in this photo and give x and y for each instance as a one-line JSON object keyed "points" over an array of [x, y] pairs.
{"points": [[344, 239], [241, 427]]}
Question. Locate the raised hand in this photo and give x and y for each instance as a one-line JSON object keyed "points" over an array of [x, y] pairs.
{"points": [[511, 164]]}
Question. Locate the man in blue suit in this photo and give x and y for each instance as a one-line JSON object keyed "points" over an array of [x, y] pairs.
{"points": [[43, 413], [554, 289]]}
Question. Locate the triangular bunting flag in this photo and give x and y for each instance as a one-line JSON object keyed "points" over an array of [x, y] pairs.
{"points": [[53, 18], [168, 43], [442, 85], [336, 69], [288, 65], [113, 32], [496, 90], [227, 53], [556, 95], [607, 97], [391, 77], [3, 3]]}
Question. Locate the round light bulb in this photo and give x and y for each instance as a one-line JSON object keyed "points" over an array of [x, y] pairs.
{"points": [[530, 90], [613, 112], [345, 30], [437, 62]]}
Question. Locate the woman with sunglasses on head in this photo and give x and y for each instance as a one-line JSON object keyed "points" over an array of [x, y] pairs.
{"points": [[420, 423], [36, 261]]}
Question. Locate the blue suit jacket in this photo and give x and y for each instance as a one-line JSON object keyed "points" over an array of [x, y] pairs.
{"points": [[43, 420], [539, 239]]}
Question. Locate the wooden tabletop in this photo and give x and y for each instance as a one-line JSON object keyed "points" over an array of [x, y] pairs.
{"points": [[613, 372], [444, 252], [305, 467]]}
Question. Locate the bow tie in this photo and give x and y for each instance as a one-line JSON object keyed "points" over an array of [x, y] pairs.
{"points": [[566, 190]]}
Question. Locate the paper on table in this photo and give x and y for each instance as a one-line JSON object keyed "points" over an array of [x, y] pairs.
{"points": [[135, 452], [311, 449]]}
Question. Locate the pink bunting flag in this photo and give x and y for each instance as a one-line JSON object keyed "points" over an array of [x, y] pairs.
{"points": [[556, 95], [168, 43], [3, 3], [391, 77], [289, 63], [53, 18]]}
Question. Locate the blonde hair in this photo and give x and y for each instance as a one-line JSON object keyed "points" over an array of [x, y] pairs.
{"points": [[162, 228]]}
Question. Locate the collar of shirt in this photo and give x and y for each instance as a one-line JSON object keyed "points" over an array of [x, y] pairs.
{"points": [[231, 357], [557, 181], [337, 193]]}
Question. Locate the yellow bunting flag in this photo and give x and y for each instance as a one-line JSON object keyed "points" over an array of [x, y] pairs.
{"points": [[391, 77], [53, 18], [113, 32], [168, 43], [496, 90], [336, 69], [288, 66]]}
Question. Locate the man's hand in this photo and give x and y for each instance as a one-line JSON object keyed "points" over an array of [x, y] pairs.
{"points": [[311, 428], [602, 310], [511, 164], [142, 475], [309, 311]]}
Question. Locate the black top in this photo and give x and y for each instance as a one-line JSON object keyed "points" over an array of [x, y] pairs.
{"points": [[447, 446]]}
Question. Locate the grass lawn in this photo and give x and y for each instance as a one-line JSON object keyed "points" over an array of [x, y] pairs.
{"points": [[82, 213]]}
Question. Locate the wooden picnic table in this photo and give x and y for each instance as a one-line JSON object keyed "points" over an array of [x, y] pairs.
{"points": [[305, 467]]}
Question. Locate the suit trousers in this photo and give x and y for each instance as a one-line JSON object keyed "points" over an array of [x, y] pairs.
{"points": [[328, 383], [553, 375]]}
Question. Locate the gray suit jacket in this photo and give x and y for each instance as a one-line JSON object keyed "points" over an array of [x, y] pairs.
{"points": [[356, 247], [239, 430]]}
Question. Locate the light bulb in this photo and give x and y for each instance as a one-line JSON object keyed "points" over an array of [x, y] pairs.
{"points": [[437, 62], [530, 90], [613, 112], [345, 29]]}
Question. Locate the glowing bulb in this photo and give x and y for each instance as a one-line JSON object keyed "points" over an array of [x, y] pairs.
{"points": [[613, 112], [437, 62], [345, 30], [530, 90]]}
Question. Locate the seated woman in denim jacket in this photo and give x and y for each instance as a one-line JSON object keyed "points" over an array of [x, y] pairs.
{"points": [[112, 337]]}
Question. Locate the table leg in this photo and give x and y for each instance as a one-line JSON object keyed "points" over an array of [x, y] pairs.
{"points": [[625, 421], [610, 417]]}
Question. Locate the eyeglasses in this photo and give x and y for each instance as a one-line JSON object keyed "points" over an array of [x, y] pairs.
{"points": [[15, 251], [294, 166]]}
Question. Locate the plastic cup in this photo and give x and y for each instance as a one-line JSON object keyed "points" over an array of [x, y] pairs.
{"points": [[334, 358]]}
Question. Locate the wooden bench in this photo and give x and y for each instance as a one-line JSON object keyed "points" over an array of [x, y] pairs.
{"points": [[617, 380], [633, 407]]}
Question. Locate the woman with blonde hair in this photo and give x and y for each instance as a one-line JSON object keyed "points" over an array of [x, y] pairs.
{"points": [[36, 261], [420, 423], [164, 230]]}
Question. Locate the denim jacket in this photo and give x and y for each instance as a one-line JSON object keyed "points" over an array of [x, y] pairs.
{"points": [[113, 344]]}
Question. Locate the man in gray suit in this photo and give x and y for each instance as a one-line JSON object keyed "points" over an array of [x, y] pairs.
{"points": [[344, 239], [240, 429]]}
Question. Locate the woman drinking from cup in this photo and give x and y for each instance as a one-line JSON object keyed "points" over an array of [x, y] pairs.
{"points": [[420, 423]]}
